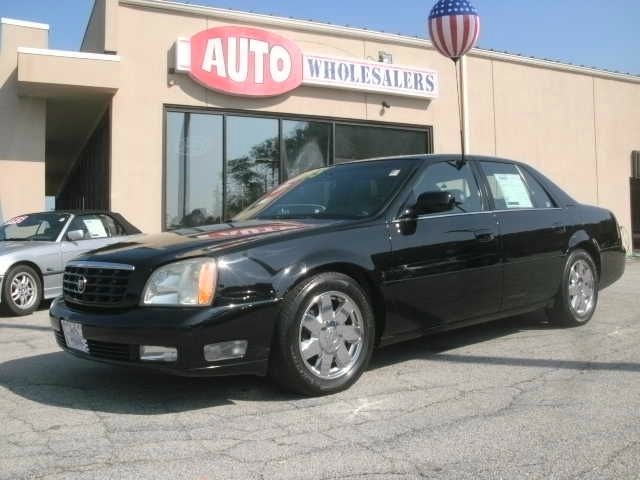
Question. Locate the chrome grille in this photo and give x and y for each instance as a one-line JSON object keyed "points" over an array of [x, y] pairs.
{"points": [[93, 283]]}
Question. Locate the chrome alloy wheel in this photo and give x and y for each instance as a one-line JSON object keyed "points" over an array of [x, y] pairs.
{"points": [[581, 288], [331, 335], [24, 291]]}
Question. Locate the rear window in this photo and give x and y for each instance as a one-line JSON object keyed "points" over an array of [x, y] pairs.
{"points": [[539, 195]]}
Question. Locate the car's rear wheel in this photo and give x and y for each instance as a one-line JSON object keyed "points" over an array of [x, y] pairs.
{"points": [[576, 302], [21, 291], [325, 336]]}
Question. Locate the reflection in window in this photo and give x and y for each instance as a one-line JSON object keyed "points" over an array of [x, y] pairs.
{"points": [[458, 181], [306, 146], [193, 169], [357, 142], [253, 161], [197, 192]]}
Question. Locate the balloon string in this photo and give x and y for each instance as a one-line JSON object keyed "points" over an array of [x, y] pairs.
{"points": [[460, 112]]}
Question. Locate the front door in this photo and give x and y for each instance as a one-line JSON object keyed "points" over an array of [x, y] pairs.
{"points": [[448, 269], [96, 233]]}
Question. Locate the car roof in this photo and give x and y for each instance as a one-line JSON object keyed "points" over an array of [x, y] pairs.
{"points": [[435, 157], [129, 228], [559, 195]]}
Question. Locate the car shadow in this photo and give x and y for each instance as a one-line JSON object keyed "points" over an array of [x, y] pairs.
{"points": [[59, 379], [44, 305], [24, 326], [428, 347]]}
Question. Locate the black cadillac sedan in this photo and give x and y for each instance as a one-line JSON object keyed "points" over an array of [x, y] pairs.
{"points": [[308, 280]]}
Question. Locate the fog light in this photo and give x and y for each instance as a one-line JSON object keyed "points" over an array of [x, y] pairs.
{"points": [[217, 352], [150, 353]]}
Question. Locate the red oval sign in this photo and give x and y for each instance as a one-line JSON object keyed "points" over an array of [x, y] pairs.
{"points": [[245, 61]]}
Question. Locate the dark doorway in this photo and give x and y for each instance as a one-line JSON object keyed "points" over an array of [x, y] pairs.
{"points": [[86, 187], [635, 199], [635, 212]]}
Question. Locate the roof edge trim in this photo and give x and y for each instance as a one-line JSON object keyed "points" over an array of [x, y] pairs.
{"points": [[24, 23], [68, 54], [365, 34]]}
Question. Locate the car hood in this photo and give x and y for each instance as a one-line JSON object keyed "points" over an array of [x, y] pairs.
{"points": [[9, 247], [152, 250]]}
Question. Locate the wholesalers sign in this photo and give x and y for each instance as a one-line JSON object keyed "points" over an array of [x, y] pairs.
{"points": [[258, 63]]}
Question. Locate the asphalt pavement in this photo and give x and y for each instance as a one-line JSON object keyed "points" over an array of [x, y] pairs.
{"points": [[514, 399]]}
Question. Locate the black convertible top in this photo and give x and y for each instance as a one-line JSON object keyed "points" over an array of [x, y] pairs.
{"points": [[128, 227]]}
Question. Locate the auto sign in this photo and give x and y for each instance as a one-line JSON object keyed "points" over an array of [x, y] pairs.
{"points": [[245, 61]]}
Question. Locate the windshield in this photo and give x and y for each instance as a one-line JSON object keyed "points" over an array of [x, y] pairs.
{"points": [[349, 191], [44, 227]]}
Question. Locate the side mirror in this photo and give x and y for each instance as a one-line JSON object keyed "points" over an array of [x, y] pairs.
{"points": [[75, 235], [434, 202]]}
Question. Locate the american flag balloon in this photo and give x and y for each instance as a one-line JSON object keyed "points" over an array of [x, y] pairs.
{"points": [[454, 26]]}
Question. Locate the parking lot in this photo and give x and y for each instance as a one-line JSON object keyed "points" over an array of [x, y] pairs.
{"points": [[513, 399]]}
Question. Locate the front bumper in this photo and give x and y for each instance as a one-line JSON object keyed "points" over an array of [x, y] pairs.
{"points": [[115, 337]]}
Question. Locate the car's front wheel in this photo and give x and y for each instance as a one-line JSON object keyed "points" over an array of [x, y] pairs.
{"points": [[325, 336], [576, 302], [21, 291]]}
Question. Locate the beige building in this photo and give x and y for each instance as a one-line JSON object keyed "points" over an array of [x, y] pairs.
{"points": [[144, 119]]}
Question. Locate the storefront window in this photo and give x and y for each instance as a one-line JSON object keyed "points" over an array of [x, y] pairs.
{"points": [[357, 142], [194, 170], [253, 161], [306, 146], [217, 164]]}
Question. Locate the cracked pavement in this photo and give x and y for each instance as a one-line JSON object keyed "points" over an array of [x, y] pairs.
{"points": [[515, 399]]}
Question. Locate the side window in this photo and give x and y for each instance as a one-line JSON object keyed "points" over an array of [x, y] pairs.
{"points": [[539, 195], [114, 229], [460, 182], [91, 225], [507, 186]]}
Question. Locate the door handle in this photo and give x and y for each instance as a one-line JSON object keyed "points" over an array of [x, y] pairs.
{"points": [[484, 236], [559, 227]]}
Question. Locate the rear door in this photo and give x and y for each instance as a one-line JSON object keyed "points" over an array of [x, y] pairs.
{"points": [[448, 270], [532, 232]]}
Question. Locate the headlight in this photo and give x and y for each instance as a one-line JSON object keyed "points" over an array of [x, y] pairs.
{"points": [[188, 282]]}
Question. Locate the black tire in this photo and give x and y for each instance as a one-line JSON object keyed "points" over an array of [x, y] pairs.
{"points": [[8, 305], [563, 312], [288, 367]]}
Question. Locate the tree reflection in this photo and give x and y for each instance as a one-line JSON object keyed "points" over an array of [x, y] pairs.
{"points": [[251, 176], [306, 146]]}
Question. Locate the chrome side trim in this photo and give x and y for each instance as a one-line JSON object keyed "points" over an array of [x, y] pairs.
{"points": [[426, 217], [102, 265], [526, 209]]}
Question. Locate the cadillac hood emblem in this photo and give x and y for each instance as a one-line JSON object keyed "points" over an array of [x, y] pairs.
{"points": [[81, 285]]}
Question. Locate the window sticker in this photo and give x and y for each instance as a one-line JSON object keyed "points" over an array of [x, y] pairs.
{"points": [[95, 227], [514, 191], [17, 220]]}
